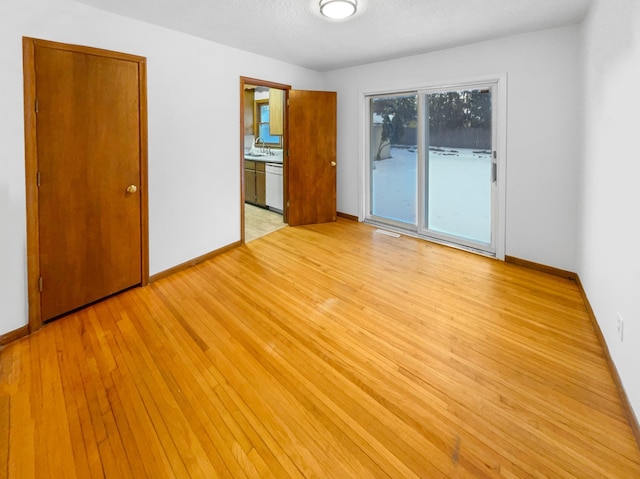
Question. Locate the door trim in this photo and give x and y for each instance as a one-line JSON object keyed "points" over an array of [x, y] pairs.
{"points": [[285, 145], [31, 164]]}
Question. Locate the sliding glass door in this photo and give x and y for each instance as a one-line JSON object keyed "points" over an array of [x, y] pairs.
{"points": [[432, 164], [459, 175], [394, 158]]}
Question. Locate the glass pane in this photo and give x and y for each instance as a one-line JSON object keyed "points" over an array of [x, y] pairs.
{"points": [[394, 140], [263, 127], [264, 113], [459, 164], [264, 134]]}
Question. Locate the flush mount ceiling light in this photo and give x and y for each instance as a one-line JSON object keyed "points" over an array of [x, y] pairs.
{"points": [[338, 9]]}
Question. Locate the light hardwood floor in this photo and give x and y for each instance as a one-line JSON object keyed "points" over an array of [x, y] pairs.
{"points": [[325, 351]]}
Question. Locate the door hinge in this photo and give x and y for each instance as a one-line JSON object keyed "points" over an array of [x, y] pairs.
{"points": [[287, 102], [38, 178], [495, 154], [36, 105], [40, 283]]}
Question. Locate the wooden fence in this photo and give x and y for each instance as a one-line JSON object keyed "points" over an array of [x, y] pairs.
{"points": [[476, 138]]}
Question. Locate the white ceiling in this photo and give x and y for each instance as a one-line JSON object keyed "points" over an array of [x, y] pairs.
{"points": [[294, 30]]}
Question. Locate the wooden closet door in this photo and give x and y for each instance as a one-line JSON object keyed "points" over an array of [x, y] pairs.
{"points": [[89, 164]]}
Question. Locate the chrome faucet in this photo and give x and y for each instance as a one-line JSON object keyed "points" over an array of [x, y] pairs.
{"points": [[257, 141]]}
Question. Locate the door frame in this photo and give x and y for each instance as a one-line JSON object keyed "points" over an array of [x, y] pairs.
{"points": [[285, 145], [500, 106], [31, 164], [423, 170]]}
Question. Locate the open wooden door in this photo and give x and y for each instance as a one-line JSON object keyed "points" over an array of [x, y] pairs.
{"points": [[312, 157], [90, 137]]}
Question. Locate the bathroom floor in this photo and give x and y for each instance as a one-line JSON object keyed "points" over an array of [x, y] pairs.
{"points": [[259, 222]]}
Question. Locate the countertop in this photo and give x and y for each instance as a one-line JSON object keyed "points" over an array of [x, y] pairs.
{"points": [[264, 158]]}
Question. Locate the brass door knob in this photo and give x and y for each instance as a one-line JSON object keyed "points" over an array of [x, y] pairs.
{"points": [[333, 163], [132, 189]]}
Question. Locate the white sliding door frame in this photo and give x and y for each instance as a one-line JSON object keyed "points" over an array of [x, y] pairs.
{"points": [[423, 171], [498, 84]]}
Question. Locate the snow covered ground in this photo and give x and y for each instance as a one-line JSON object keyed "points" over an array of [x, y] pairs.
{"points": [[459, 200]]}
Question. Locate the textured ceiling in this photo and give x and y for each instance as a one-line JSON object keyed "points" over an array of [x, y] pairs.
{"points": [[294, 30]]}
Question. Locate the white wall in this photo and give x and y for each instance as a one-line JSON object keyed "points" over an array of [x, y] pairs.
{"points": [[609, 251], [194, 134], [542, 130]]}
